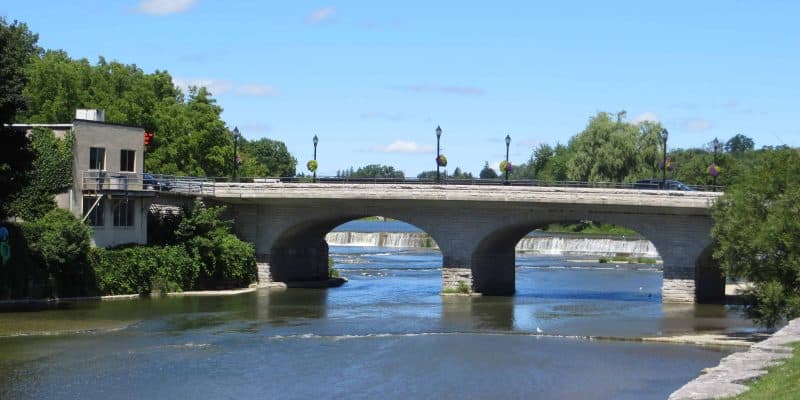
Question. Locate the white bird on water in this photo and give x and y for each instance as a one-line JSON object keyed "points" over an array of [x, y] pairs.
{"points": [[539, 330]]}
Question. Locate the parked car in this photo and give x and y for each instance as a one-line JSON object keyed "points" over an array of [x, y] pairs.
{"points": [[150, 181], [669, 184]]}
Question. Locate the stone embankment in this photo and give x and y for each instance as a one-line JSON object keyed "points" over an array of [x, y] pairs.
{"points": [[730, 377]]}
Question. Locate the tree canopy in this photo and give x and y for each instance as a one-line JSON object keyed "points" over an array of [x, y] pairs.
{"points": [[17, 47], [487, 172], [757, 230], [372, 171], [190, 137]]}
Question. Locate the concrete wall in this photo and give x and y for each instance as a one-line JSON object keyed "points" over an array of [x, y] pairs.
{"points": [[112, 138], [476, 227]]}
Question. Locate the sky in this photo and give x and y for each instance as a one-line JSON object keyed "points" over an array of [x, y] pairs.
{"points": [[373, 80]]}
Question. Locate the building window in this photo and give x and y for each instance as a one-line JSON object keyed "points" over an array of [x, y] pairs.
{"points": [[127, 160], [97, 158], [96, 216], [123, 213]]}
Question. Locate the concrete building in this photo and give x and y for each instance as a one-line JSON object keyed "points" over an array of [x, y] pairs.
{"points": [[107, 186]]}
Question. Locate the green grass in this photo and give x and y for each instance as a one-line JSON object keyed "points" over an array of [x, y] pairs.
{"points": [[781, 383], [592, 228], [628, 259], [462, 288]]}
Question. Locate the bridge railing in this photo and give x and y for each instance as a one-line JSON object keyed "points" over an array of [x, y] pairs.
{"points": [[209, 186]]}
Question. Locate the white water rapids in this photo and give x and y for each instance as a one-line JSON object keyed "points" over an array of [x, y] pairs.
{"points": [[549, 245]]}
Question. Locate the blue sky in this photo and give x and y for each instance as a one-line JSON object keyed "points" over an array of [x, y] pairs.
{"points": [[373, 80]]}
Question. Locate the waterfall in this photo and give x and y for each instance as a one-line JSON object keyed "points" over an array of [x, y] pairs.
{"points": [[380, 239], [572, 245], [548, 245]]}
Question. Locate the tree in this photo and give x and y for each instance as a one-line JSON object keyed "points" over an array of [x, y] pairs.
{"points": [[225, 259], [375, 171], [487, 172], [272, 154], [17, 48], [757, 230], [51, 173], [739, 144], [613, 150]]}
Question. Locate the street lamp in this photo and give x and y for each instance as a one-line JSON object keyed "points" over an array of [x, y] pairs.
{"points": [[664, 136], [717, 147], [505, 167], [236, 136], [438, 136], [316, 140]]}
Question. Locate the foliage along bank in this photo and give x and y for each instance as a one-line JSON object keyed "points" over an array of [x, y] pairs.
{"points": [[52, 257]]}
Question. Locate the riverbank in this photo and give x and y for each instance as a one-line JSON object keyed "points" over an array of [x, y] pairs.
{"points": [[731, 376], [22, 315]]}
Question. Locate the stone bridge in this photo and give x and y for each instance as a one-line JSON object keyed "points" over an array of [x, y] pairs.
{"points": [[476, 227]]}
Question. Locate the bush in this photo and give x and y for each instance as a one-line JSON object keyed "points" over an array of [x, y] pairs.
{"points": [[144, 269], [225, 260], [58, 244]]}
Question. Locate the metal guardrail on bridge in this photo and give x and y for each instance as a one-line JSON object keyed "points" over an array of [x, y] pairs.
{"points": [[208, 186]]}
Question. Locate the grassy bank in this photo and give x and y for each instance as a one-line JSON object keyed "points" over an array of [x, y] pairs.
{"points": [[590, 228], [781, 383]]}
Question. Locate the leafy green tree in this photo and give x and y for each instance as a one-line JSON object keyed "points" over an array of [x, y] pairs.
{"points": [[612, 150], [757, 230], [739, 144], [59, 239], [376, 171], [51, 174], [487, 172], [225, 259], [193, 139], [459, 174], [17, 48], [273, 155]]}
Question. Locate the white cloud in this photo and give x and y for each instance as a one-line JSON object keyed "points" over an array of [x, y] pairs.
{"points": [[403, 146], [698, 125], [220, 87], [164, 7], [646, 116], [255, 90], [321, 15]]}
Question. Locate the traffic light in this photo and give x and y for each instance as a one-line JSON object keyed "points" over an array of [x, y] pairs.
{"points": [[148, 138]]}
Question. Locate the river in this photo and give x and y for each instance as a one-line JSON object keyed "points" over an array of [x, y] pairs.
{"points": [[568, 333]]}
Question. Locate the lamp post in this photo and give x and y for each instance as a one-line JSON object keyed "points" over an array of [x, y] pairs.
{"points": [[438, 136], [664, 136], [316, 140], [717, 147], [505, 167], [236, 136]]}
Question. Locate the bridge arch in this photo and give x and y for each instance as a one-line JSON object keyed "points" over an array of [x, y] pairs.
{"points": [[300, 252], [689, 272]]}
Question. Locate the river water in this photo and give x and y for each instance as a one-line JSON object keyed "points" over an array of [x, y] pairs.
{"points": [[568, 333]]}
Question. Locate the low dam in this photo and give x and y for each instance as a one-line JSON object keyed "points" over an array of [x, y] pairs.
{"points": [[556, 244]]}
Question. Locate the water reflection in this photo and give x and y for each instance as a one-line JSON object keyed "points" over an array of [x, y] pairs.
{"points": [[478, 313], [283, 306], [699, 318]]}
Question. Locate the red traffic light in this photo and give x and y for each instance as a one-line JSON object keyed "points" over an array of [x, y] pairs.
{"points": [[148, 138]]}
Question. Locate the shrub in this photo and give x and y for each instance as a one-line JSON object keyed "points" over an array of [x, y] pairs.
{"points": [[225, 260], [144, 269], [58, 244]]}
